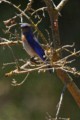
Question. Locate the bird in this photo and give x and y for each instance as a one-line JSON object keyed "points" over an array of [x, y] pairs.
{"points": [[31, 44]]}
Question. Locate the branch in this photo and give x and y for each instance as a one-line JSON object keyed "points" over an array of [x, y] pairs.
{"points": [[64, 47], [61, 5], [61, 64], [51, 11], [53, 14], [40, 9], [66, 79], [24, 70], [14, 82], [10, 43]]}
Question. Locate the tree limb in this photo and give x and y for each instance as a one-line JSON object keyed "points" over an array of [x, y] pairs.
{"points": [[66, 79]]}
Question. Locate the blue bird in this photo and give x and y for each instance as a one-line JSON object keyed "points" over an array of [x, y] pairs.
{"points": [[31, 44]]}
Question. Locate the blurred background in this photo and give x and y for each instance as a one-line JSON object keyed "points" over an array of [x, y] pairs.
{"points": [[40, 93]]}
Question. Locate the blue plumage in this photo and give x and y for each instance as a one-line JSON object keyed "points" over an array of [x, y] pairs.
{"points": [[35, 45], [31, 40]]}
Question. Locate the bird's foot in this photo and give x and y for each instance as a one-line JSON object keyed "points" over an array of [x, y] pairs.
{"points": [[34, 60]]}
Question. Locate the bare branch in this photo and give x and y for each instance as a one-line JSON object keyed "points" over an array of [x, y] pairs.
{"points": [[10, 43], [24, 70], [53, 14], [51, 11], [66, 79], [29, 5], [14, 82], [40, 9], [59, 64], [61, 5]]}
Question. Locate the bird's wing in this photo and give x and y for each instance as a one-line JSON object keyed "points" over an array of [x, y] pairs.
{"points": [[36, 46]]}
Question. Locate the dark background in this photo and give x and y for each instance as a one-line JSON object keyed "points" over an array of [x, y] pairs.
{"points": [[41, 92]]}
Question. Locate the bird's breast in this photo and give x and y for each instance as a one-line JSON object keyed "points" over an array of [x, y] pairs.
{"points": [[27, 47]]}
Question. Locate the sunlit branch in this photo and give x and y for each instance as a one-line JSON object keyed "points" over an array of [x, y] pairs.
{"points": [[65, 47], [60, 103], [10, 43], [60, 64], [61, 5], [23, 70]]}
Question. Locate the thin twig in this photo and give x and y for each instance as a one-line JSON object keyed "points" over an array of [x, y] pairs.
{"points": [[40, 9], [60, 103], [14, 83]]}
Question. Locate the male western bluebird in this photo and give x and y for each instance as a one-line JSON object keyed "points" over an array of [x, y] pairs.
{"points": [[31, 44]]}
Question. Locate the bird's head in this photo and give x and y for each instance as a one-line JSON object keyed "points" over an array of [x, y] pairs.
{"points": [[26, 27]]}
